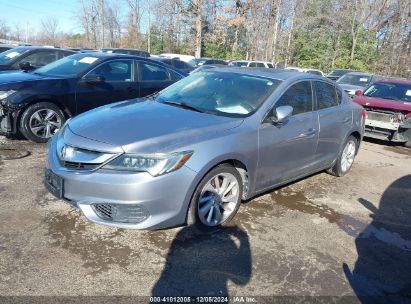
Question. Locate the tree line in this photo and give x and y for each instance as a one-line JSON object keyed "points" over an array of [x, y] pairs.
{"points": [[368, 35]]}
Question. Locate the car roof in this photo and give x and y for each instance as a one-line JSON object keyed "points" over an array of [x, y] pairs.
{"points": [[396, 81], [34, 47], [278, 74], [359, 74]]}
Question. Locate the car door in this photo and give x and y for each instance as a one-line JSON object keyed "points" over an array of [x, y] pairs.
{"points": [[335, 121], [287, 150], [119, 84], [153, 77]]}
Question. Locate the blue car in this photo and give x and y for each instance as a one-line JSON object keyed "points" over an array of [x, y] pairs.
{"points": [[36, 104]]}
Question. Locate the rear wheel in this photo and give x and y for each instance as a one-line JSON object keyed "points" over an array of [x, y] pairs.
{"points": [[346, 158], [216, 199], [40, 121]]}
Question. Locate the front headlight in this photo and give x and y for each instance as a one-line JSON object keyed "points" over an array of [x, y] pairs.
{"points": [[5, 94], [155, 164]]}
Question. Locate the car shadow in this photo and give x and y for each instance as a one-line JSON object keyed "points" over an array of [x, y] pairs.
{"points": [[201, 264], [382, 272]]}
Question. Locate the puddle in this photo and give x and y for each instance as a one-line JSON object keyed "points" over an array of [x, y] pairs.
{"points": [[97, 250], [8, 153], [350, 225], [296, 200], [399, 150]]}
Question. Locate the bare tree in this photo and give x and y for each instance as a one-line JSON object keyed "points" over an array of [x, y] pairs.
{"points": [[49, 30]]}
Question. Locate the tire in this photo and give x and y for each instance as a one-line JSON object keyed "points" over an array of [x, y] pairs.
{"points": [[206, 199], [407, 144], [345, 158], [40, 121]]}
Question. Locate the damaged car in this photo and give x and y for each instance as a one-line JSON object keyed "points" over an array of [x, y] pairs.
{"points": [[388, 106], [193, 152], [36, 104]]}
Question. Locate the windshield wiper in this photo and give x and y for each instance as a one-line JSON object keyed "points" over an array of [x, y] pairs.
{"points": [[181, 105]]}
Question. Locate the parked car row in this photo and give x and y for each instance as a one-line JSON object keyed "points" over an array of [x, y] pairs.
{"points": [[136, 126]]}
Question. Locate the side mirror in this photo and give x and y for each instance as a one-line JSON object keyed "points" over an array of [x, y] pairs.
{"points": [[26, 66], [359, 92], [281, 114], [94, 79]]}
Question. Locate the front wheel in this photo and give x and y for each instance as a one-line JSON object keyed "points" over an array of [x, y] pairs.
{"points": [[345, 158], [40, 121], [216, 199]]}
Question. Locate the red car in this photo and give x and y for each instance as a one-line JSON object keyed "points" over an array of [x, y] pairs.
{"points": [[388, 106]]}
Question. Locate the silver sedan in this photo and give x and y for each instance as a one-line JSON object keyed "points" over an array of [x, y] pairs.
{"points": [[194, 151]]}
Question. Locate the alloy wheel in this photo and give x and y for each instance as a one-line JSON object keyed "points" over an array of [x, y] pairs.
{"points": [[348, 155], [44, 123], [218, 199]]}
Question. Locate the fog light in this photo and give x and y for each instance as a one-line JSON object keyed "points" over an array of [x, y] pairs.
{"points": [[121, 213]]}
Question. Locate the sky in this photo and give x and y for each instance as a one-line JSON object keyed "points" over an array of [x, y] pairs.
{"points": [[29, 13]]}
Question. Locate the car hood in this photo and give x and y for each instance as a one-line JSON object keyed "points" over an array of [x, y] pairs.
{"points": [[146, 126], [381, 103], [19, 76], [351, 87]]}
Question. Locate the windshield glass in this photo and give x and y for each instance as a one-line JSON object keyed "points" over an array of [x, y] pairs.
{"points": [[240, 63], [392, 91], [358, 80], [11, 54], [338, 72], [71, 66], [221, 93]]}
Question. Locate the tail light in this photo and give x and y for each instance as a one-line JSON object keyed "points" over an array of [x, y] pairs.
{"points": [[363, 114]]}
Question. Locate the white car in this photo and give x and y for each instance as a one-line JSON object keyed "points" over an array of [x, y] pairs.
{"points": [[252, 64], [185, 58], [303, 70]]}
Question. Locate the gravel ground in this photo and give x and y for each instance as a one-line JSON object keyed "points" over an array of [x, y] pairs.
{"points": [[320, 236]]}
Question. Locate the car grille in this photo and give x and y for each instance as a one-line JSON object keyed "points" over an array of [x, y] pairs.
{"points": [[121, 213], [79, 166]]}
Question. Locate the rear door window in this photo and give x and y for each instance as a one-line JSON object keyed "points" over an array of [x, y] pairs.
{"points": [[326, 95], [151, 72]]}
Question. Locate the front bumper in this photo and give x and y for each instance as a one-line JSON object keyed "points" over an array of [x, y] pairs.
{"points": [[7, 121], [383, 126], [162, 201]]}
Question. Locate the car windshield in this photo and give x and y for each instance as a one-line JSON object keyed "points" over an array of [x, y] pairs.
{"points": [[197, 61], [353, 79], [11, 54], [240, 63], [220, 93], [71, 66], [338, 72], [393, 91]]}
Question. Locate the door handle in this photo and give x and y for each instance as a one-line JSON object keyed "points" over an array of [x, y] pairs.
{"points": [[310, 132], [346, 119]]}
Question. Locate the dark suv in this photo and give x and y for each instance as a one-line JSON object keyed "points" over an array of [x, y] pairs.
{"points": [[36, 104], [30, 57], [176, 63], [127, 52]]}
